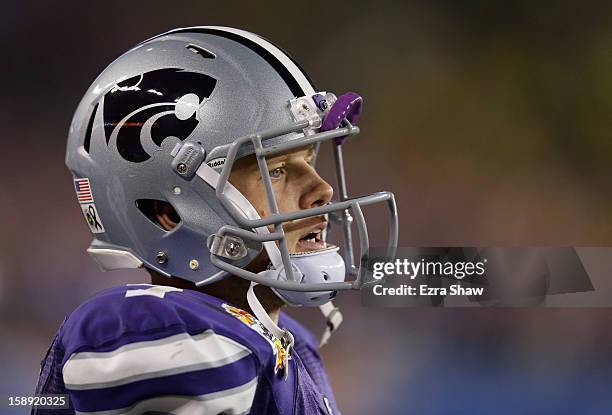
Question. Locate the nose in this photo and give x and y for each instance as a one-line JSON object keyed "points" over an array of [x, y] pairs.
{"points": [[317, 192]]}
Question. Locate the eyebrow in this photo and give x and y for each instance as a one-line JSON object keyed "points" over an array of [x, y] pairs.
{"points": [[283, 157]]}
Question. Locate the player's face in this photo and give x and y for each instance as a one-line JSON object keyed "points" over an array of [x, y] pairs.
{"points": [[296, 185]]}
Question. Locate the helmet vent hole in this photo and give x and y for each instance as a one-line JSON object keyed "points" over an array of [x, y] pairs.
{"points": [[159, 212], [198, 50], [87, 141]]}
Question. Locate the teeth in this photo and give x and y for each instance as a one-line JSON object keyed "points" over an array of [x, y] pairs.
{"points": [[311, 240], [312, 237]]}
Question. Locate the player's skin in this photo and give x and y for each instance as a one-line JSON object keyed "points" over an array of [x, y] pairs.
{"points": [[297, 186]]}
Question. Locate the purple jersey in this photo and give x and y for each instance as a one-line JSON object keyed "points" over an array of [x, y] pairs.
{"points": [[153, 349]]}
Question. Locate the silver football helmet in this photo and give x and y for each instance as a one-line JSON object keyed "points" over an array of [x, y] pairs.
{"points": [[167, 120]]}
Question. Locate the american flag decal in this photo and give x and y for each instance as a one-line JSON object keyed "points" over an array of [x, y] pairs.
{"points": [[83, 190]]}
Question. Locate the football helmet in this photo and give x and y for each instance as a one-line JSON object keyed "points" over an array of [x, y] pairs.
{"points": [[167, 120]]}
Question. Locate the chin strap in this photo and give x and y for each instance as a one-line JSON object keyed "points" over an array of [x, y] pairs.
{"points": [[284, 335], [333, 319]]}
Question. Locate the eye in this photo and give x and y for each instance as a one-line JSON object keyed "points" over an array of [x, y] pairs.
{"points": [[276, 173]]}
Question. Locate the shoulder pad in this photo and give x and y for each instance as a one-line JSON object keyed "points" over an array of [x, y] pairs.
{"points": [[145, 312]]}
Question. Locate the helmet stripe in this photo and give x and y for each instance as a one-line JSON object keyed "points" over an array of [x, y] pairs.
{"points": [[295, 78]]}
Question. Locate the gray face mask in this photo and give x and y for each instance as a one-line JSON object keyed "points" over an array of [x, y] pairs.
{"points": [[311, 278], [167, 121]]}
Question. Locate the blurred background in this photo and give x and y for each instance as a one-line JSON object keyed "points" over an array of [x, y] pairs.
{"points": [[489, 120]]}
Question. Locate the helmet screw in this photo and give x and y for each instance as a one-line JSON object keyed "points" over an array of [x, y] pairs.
{"points": [[176, 190], [232, 248], [161, 257], [194, 264], [181, 168]]}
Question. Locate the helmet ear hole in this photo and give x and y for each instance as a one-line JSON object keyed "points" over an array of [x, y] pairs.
{"points": [[159, 212]]}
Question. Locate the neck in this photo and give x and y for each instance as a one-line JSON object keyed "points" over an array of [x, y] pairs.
{"points": [[231, 289]]}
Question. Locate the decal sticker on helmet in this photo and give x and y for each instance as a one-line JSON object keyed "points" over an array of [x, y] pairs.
{"points": [[92, 218], [82, 187], [164, 101]]}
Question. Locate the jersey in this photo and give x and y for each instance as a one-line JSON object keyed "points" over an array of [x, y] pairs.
{"points": [[152, 349]]}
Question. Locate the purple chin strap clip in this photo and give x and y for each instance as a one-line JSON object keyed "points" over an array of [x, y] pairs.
{"points": [[349, 106]]}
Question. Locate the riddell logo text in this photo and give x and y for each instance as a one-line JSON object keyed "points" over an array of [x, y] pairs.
{"points": [[216, 162]]}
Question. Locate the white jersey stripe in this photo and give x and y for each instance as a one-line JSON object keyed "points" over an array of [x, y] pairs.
{"points": [[276, 52], [237, 401], [172, 355]]}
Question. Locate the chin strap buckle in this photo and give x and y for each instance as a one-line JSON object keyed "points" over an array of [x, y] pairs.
{"points": [[287, 342], [333, 319]]}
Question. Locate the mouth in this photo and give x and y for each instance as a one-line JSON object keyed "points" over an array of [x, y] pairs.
{"points": [[312, 240]]}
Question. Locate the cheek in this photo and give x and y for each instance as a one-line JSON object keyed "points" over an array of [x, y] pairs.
{"points": [[258, 199], [287, 198], [254, 192]]}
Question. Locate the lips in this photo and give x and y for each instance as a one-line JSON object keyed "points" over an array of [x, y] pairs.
{"points": [[312, 238]]}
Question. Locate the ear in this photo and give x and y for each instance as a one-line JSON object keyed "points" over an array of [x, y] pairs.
{"points": [[165, 215]]}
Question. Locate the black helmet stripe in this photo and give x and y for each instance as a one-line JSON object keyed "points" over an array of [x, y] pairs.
{"points": [[290, 79]]}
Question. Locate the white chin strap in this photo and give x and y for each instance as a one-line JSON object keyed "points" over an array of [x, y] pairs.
{"points": [[332, 314], [284, 335], [333, 319]]}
